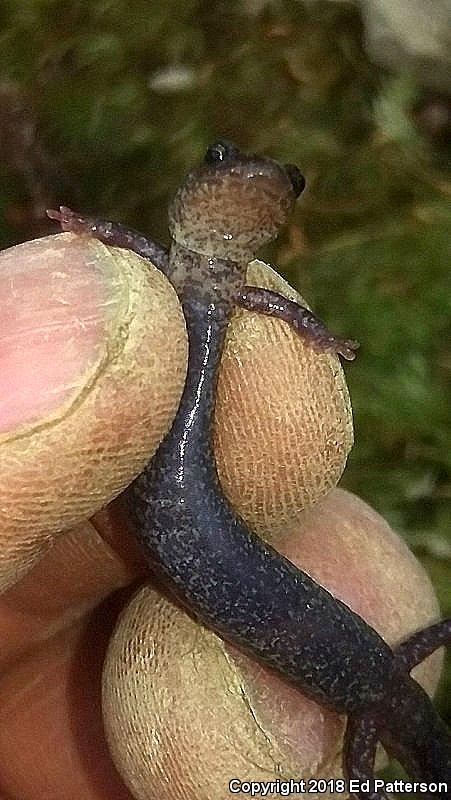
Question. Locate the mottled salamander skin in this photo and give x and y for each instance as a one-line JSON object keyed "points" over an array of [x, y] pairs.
{"points": [[233, 582]]}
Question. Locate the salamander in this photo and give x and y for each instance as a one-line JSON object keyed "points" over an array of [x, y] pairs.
{"points": [[233, 582]]}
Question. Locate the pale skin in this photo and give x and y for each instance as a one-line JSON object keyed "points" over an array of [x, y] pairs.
{"points": [[99, 590]]}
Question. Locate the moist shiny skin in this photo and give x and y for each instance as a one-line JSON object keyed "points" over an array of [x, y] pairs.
{"points": [[227, 576], [234, 582]]}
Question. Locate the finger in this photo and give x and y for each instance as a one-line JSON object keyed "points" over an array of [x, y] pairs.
{"points": [[283, 423], [93, 364], [51, 738], [272, 391], [198, 713], [83, 568]]}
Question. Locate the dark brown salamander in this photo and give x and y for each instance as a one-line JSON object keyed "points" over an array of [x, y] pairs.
{"points": [[235, 583]]}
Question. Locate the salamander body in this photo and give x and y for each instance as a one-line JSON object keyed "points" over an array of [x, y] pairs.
{"points": [[227, 576]]}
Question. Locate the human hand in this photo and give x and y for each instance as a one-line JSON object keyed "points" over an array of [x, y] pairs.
{"points": [[93, 366]]}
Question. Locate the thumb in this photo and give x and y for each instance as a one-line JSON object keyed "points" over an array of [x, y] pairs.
{"points": [[93, 352]]}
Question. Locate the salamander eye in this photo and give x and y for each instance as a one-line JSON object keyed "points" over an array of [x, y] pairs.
{"points": [[296, 177], [220, 151]]}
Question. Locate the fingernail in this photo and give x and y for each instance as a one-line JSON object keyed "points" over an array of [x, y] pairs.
{"points": [[58, 297]]}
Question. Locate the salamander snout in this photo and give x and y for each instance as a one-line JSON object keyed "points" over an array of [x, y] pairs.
{"points": [[223, 151], [233, 203]]}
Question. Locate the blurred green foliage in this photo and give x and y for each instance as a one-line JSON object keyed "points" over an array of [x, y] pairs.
{"points": [[105, 105]]}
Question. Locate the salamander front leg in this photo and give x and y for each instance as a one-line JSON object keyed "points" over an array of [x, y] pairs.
{"points": [[306, 324], [112, 233]]}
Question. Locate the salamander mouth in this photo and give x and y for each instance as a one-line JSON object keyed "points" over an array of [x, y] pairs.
{"points": [[225, 153]]}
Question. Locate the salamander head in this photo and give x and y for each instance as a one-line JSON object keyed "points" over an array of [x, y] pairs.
{"points": [[233, 203]]}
